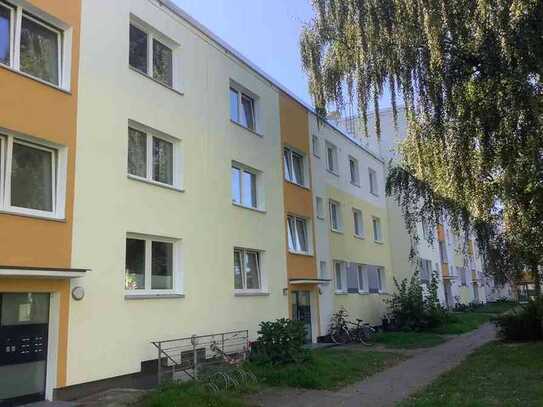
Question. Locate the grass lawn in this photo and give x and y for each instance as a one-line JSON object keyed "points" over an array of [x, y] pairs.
{"points": [[408, 340], [496, 307], [498, 374], [462, 322], [328, 369]]}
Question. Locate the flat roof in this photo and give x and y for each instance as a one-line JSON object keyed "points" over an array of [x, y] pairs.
{"points": [[174, 8]]}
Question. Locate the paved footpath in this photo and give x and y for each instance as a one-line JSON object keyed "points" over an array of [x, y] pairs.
{"points": [[389, 386]]}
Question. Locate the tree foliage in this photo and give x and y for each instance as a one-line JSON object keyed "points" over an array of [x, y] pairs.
{"points": [[470, 75]]}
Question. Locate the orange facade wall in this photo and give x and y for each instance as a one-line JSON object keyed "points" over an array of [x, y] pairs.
{"points": [[298, 200], [42, 111]]}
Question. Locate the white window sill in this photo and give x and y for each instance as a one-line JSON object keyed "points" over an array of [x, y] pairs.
{"points": [[155, 183], [321, 217], [294, 252], [341, 293], [361, 237], [179, 92], [338, 231], [363, 292], [150, 296], [26, 75], [374, 194], [33, 214], [332, 172], [251, 293], [355, 184], [238, 205], [246, 128], [379, 242], [298, 185]]}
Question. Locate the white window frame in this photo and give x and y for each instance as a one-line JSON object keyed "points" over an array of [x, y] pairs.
{"points": [[294, 245], [339, 228], [316, 147], [177, 273], [258, 186], [63, 33], [261, 279], [362, 277], [153, 34], [356, 180], [58, 172], [358, 212], [288, 155], [340, 288], [374, 184], [332, 167], [377, 221], [381, 279], [319, 204], [241, 91], [177, 157]]}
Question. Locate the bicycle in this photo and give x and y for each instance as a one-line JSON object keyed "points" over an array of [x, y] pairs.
{"points": [[343, 331]]}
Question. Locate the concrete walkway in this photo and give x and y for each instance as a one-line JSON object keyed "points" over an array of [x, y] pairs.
{"points": [[390, 386]]}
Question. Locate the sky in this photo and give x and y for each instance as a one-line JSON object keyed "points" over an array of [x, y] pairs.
{"points": [[266, 32]]}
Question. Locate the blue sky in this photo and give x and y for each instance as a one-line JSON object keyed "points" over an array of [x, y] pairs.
{"points": [[264, 31]]}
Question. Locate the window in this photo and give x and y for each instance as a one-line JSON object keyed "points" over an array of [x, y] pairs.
{"points": [[335, 216], [242, 109], [294, 166], [358, 223], [32, 177], [150, 56], [339, 276], [152, 157], [247, 274], [244, 186], [298, 241], [425, 270], [377, 231], [316, 146], [31, 45], [151, 265], [373, 182], [461, 271], [443, 252], [320, 207], [331, 158], [426, 230], [353, 171]]}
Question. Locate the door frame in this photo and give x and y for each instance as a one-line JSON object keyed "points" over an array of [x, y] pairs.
{"points": [[52, 348]]}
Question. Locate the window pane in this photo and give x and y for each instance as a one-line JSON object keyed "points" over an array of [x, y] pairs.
{"points": [[361, 278], [252, 270], [162, 63], [135, 264], [234, 105], [354, 171], [138, 49], [162, 161], [331, 163], [5, 35], [292, 242], [162, 266], [236, 182], [316, 149], [357, 228], [238, 279], [302, 234], [248, 189], [298, 164], [288, 164], [137, 153], [248, 113], [31, 178], [333, 216], [39, 51], [339, 284]]}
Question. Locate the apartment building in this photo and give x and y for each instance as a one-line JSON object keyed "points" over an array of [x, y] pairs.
{"points": [[351, 224], [179, 205], [39, 52]]}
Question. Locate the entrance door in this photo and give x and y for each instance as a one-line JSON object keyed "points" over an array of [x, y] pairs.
{"points": [[24, 323], [301, 311]]}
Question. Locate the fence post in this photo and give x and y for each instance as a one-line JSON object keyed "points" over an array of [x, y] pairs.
{"points": [[159, 363]]}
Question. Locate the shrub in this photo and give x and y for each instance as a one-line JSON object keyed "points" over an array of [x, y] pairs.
{"points": [[280, 342], [412, 309], [522, 324]]}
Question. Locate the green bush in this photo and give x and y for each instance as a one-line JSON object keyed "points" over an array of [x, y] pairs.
{"points": [[411, 309], [522, 324], [280, 342]]}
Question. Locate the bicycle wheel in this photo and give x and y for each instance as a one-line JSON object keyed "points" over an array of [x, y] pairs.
{"points": [[366, 335], [339, 337]]}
